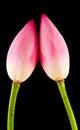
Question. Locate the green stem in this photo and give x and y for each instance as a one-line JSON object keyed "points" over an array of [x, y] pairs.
{"points": [[61, 86], [11, 107]]}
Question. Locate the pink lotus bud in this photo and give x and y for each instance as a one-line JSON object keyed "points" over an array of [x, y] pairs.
{"points": [[23, 53], [54, 55]]}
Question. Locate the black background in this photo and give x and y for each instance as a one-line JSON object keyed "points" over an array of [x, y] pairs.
{"points": [[39, 105]]}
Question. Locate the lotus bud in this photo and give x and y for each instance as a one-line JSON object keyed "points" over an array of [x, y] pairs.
{"points": [[54, 54], [23, 53]]}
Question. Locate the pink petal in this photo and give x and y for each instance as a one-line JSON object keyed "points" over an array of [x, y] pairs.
{"points": [[54, 55], [23, 53]]}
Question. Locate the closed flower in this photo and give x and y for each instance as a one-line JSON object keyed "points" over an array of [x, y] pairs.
{"points": [[54, 55], [23, 53]]}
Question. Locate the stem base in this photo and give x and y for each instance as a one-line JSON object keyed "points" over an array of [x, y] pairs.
{"points": [[61, 87], [11, 107]]}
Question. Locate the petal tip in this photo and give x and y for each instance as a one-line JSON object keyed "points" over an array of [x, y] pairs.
{"points": [[43, 16]]}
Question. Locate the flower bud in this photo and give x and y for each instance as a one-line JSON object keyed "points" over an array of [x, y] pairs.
{"points": [[23, 53], [54, 55]]}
